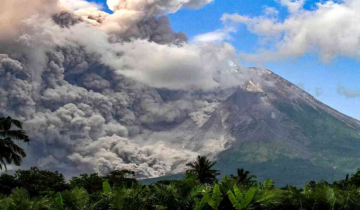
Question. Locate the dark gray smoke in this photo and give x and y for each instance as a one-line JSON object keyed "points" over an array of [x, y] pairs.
{"points": [[99, 100], [66, 18]]}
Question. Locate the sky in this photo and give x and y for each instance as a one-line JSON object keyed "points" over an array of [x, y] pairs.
{"points": [[326, 64]]}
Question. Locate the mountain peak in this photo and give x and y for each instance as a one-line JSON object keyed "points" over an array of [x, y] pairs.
{"points": [[270, 122]]}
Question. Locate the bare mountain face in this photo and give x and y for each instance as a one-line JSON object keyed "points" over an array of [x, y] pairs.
{"points": [[276, 130]]}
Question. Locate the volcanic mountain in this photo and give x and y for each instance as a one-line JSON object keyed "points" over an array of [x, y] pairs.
{"points": [[275, 130], [98, 92]]}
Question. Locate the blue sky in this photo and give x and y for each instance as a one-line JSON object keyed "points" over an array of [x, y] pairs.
{"points": [[307, 71]]}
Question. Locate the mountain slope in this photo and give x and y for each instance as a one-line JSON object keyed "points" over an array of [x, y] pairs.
{"points": [[276, 130]]}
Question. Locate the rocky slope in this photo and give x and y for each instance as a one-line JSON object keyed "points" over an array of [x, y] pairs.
{"points": [[276, 130]]}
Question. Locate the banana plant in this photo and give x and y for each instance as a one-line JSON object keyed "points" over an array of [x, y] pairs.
{"points": [[106, 187], [115, 201], [242, 201], [268, 184], [58, 202], [214, 200], [239, 200], [124, 198], [199, 205], [75, 199]]}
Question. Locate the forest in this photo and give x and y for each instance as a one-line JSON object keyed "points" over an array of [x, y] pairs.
{"points": [[36, 189], [202, 187]]}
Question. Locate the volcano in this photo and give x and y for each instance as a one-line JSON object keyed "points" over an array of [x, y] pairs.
{"points": [[276, 130]]}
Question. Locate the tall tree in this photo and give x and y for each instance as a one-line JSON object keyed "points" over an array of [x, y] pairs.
{"points": [[40, 182], [121, 178], [7, 184], [355, 179], [201, 168], [9, 151], [91, 183], [244, 177]]}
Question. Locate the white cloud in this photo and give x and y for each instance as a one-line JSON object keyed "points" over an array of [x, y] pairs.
{"points": [[78, 4], [219, 35], [163, 66], [155, 7], [330, 30], [293, 6], [270, 11], [318, 92], [348, 93], [301, 85]]}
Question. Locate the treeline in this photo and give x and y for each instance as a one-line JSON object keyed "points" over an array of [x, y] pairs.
{"points": [[199, 189]]}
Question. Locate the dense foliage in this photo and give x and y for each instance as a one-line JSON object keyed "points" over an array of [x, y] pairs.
{"points": [[200, 188], [38, 189], [11, 153]]}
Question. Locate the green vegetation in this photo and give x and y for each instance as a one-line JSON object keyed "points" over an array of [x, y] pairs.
{"points": [[202, 169], [330, 149], [9, 151], [200, 188], [330, 137], [36, 189]]}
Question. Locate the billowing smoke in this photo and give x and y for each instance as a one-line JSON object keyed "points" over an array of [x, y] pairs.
{"points": [[13, 13], [93, 88]]}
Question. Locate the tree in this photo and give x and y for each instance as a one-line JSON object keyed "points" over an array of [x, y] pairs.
{"points": [[75, 199], [320, 196], [91, 183], [7, 184], [19, 200], [121, 178], [201, 168], [38, 182], [166, 197], [9, 151], [135, 197], [244, 177], [355, 179]]}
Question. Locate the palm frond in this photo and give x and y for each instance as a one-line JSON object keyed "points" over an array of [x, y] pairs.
{"points": [[15, 134], [9, 151]]}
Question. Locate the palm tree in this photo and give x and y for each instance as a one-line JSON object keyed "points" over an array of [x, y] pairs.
{"points": [[201, 168], [9, 151], [20, 200], [135, 197], [75, 199], [243, 177], [167, 197]]}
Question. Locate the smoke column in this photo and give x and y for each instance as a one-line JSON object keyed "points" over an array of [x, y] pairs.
{"points": [[99, 92]]}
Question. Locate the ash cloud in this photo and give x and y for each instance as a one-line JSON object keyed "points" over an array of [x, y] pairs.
{"points": [[86, 83], [66, 18]]}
